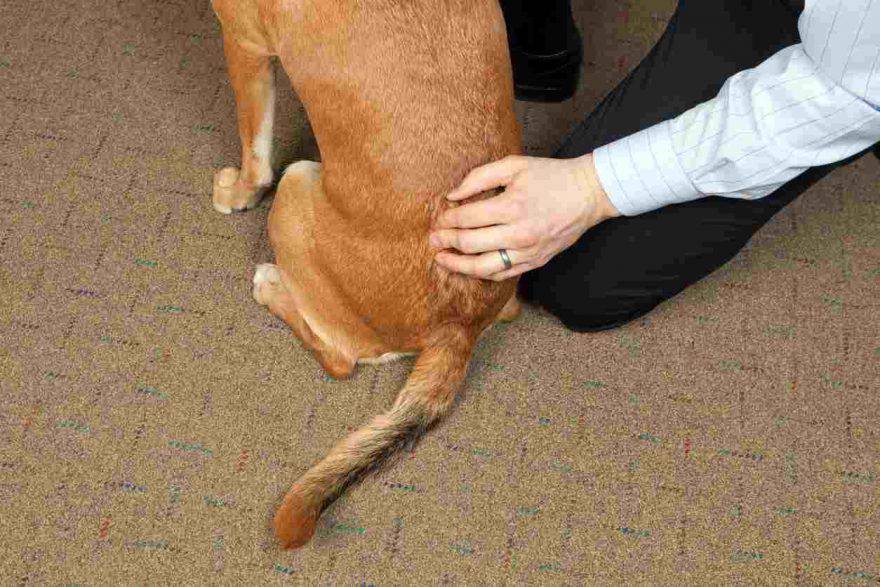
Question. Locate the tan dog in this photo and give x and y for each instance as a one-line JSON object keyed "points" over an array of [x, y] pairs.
{"points": [[405, 97]]}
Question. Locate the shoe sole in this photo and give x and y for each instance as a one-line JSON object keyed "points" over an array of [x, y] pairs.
{"points": [[556, 85]]}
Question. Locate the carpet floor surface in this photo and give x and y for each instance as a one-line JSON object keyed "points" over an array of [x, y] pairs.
{"points": [[152, 415]]}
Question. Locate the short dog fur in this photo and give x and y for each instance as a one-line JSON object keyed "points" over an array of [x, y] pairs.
{"points": [[404, 97]]}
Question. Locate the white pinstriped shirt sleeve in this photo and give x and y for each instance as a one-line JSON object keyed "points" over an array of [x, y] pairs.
{"points": [[811, 104]]}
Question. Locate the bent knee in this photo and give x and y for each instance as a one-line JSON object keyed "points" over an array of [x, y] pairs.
{"points": [[593, 308], [598, 321], [297, 178], [303, 168]]}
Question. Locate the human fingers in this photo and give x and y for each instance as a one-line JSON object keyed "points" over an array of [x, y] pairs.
{"points": [[481, 266], [490, 176], [497, 210], [480, 240]]}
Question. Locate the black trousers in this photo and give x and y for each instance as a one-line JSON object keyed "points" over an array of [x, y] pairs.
{"points": [[621, 269]]}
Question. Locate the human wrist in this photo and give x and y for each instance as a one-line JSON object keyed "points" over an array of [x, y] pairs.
{"points": [[600, 206]]}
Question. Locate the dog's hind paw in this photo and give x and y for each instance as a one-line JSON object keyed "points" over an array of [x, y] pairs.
{"points": [[267, 278]]}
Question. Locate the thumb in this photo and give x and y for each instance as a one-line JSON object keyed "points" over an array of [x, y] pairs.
{"points": [[490, 176]]}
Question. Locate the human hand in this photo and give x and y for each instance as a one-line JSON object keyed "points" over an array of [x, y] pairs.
{"points": [[546, 206]]}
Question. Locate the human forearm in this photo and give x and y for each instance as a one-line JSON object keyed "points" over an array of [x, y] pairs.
{"points": [[810, 104]]}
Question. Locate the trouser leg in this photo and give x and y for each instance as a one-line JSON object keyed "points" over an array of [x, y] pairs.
{"points": [[624, 267]]}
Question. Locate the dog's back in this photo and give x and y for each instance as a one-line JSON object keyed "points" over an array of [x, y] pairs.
{"points": [[404, 97]]}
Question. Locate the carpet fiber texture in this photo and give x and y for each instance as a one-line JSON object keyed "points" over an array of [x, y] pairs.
{"points": [[152, 415]]}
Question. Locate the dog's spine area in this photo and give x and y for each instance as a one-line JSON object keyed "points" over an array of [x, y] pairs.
{"points": [[428, 395]]}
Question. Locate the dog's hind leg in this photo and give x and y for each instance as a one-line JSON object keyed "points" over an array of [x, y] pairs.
{"points": [[511, 310], [252, 78], [270, 290]]}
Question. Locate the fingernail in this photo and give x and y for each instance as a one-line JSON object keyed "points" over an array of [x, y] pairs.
{"points": [[435, 241]]}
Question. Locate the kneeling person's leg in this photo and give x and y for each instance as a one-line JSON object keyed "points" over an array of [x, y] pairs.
{"points": [[623, 268]]}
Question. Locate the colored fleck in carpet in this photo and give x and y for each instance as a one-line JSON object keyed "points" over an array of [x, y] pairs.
{"points": [[151, 415]]}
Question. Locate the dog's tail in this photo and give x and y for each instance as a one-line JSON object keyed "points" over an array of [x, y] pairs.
{"points": [[428, 395]]}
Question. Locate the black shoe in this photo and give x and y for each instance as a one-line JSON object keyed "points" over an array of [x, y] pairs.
{"points": [[545, 48]]}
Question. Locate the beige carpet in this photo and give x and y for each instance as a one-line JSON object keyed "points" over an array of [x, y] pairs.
{"points": [[151, 415]]}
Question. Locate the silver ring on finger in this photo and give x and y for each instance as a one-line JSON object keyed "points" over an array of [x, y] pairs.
{"points": [[505, 258]]}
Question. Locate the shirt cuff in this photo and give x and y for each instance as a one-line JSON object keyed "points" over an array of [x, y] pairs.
{"points": [[641, 172]]}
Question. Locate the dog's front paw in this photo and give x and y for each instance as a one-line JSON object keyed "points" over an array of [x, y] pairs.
{"points": [[267, 278], [231, 194]]}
